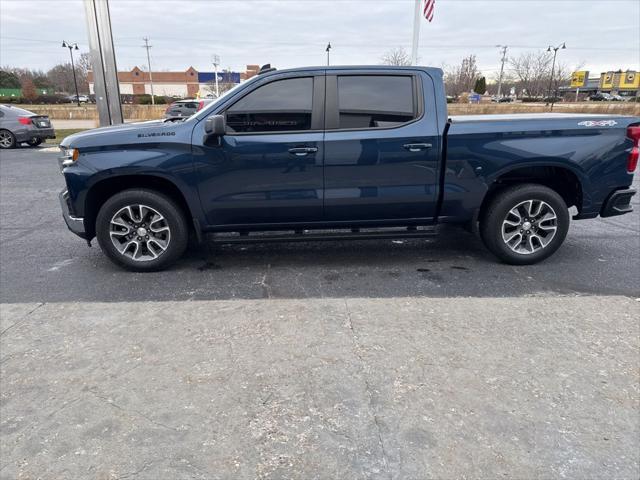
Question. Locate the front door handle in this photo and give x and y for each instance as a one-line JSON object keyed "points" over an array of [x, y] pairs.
{"points": [[302, 151], [416, 147]]}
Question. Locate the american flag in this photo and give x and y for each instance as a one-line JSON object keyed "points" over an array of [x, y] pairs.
{"points": [[429, 7]]}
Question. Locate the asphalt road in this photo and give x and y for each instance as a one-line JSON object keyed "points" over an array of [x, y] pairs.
{"points": [[43, 262]]}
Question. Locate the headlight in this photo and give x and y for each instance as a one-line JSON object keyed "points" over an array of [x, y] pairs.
{"points": [[68, 157]]}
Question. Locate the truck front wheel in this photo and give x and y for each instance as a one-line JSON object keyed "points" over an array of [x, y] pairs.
{"points": [[524, 224], [141, 230]]}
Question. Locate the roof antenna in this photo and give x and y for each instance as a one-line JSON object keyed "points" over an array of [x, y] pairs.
{"points": [[266, 68]]}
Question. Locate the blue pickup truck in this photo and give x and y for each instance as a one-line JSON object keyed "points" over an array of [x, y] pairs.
{"points": [[343, 153]]}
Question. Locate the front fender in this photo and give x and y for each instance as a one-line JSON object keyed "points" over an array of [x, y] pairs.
{"points": [[170, 164]]}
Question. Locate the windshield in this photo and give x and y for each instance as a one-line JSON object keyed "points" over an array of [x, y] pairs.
{"points": [[221, 98]]}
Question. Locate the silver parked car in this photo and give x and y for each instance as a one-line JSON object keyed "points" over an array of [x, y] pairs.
{"points": [[186, 108], [22, 126]]}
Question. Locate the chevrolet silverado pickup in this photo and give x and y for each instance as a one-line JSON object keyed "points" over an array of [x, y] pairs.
{"points": [[343, 153]]}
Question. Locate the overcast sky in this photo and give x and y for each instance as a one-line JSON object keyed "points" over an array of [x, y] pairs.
{"points": [[601, 34]]}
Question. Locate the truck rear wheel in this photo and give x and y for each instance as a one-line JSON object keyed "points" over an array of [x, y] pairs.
{"points": [[141, 230], [525, 224]]}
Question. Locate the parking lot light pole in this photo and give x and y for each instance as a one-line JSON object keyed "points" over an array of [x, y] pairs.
{"points": [[327, 50], [553, 67], [72, 47]]}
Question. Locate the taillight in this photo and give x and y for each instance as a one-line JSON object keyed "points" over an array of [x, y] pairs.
{"points": [[24, 120], [634, 134], [200, 105], [632, 161]]}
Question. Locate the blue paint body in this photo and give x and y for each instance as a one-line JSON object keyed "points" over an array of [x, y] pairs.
{"points": [[355, 177]]}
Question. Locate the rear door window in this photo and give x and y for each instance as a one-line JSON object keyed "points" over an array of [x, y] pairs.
{"points": [[279, 106], [375, 101]]}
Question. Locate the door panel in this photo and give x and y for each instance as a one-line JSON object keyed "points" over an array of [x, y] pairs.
{"points": [[267, 168], [255, 179], [374, 173]]}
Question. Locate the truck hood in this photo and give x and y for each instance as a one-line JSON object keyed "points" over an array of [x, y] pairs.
{"points": [[125, 134]]}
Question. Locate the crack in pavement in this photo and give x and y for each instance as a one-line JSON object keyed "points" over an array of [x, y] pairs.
{"points": [[128, 411], [356, 350], [22, 319], [266, 288]]}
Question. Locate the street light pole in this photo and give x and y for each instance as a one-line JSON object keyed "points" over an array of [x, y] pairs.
{"points": [[504, 58], [327, 50], [71, 47], [553, 68]]}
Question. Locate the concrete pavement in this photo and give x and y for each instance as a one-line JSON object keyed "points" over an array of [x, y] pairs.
{"points": [[324, 388]]}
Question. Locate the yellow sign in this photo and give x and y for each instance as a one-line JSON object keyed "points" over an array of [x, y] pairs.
{"points": [[579, 79], [630, 80], [606, 80]]}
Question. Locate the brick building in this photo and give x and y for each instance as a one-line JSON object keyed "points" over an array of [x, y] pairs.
{"points": [[188, 83]]}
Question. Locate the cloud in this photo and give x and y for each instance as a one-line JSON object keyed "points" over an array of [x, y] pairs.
{"points": [[288, 33]]}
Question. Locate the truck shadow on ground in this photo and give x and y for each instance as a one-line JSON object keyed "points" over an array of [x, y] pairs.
{"points": [[454, 263]]}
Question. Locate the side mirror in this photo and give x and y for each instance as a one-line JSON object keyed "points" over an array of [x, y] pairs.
{"points": [[214, 126]]}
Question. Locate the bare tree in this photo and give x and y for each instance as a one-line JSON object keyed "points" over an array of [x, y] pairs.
{"points": [[562, 75], [532, 71], [397, 56], [83, 66], [508, 82], [28, 89], [61, 77], [463, 77]]}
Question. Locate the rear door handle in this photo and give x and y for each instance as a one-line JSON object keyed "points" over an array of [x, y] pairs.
{"points": [[416, 147], [302, 151]]}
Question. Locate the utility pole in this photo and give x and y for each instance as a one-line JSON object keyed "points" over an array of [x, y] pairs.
{"points": [[504, 58], [553, 68], [327, 50], [71, 47], [215, 59], [147, 47]]}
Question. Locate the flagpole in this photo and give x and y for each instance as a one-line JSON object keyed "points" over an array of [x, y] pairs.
{"points": [[416, 33]]}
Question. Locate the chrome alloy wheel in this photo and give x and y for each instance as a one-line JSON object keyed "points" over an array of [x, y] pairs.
{"points": [[139, 232], [6, 140], [529, 227]]}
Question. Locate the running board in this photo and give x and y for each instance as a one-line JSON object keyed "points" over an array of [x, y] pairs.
{"points": [[323, 235]]}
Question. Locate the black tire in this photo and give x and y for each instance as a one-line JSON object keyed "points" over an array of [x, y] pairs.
{"points": [[491, 223], [174, 218], [7, 140], [34, 142]]}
